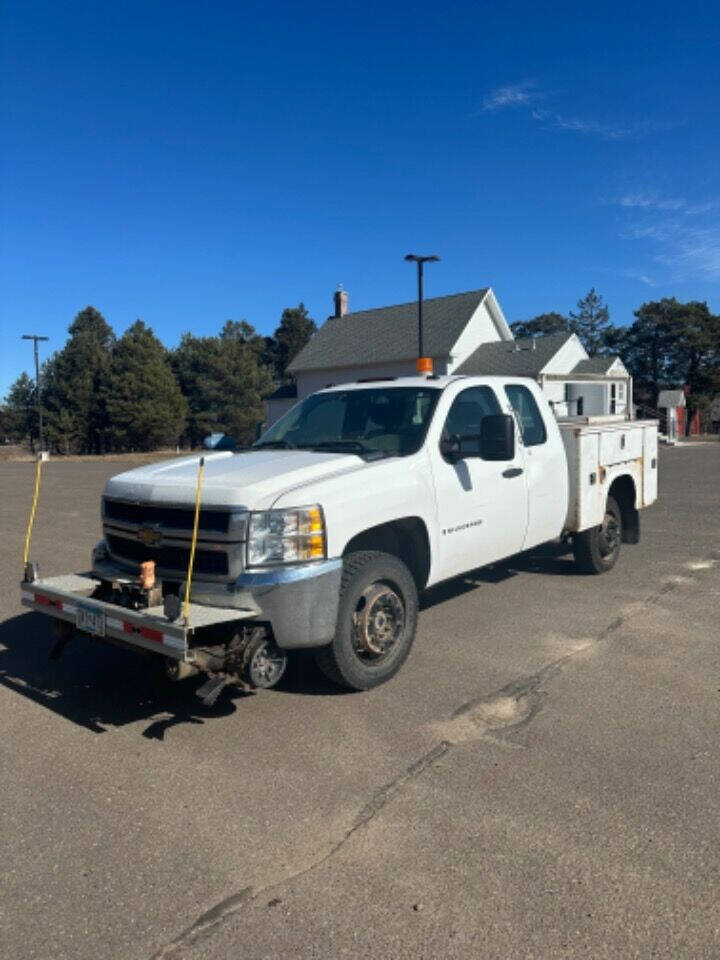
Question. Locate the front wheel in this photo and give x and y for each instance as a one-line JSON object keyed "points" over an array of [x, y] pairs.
{"points": [[596, 550], [377, 619]]}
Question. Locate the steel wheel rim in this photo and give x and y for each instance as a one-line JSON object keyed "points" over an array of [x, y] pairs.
{"points": [[265, 669], [378, 622], [609, 535]]}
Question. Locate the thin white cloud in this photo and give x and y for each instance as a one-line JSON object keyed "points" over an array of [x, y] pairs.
{"points": [[693, 252], [678, 234], [525, 95], [705, 207], [688, 251], [640, 276], [648, 201], [651, 201], [514, 95], [592, 127]]}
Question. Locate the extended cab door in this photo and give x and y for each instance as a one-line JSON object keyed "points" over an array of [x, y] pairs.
{"points": [[545, 464], [482, 505]]}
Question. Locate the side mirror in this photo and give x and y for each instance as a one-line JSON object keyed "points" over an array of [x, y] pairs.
{"points": [[497, 437], [450, 448]]}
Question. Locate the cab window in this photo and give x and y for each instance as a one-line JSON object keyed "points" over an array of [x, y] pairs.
{"points": [[529, 418], [465, 416]]}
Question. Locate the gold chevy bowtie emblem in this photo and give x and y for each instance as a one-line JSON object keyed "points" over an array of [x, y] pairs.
{"points": [[150, 536]]}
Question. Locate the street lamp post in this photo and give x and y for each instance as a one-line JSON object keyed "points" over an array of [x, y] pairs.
{"points": [[424, 364], [35, 338]]}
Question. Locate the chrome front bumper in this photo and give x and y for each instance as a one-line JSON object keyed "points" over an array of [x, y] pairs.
{"points": [[299, 602]]}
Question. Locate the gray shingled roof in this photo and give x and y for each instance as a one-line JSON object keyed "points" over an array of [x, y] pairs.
{"points": [[595, 365], [514, 358], [388, 333]]}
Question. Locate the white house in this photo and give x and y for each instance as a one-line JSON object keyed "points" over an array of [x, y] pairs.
{"points": [[574, 383], [464, 333]]}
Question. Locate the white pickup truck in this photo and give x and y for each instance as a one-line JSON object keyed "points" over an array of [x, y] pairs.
{"points": [[324, 533]]}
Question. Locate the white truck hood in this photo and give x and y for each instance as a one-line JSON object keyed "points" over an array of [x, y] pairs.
{"points": [[252, 480]]}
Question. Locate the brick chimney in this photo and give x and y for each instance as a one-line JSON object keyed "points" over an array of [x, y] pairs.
{"points": [[340, 298]]}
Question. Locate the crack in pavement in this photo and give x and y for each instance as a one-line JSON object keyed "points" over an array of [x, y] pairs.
{"points": [[207, 921], [508, 709]]}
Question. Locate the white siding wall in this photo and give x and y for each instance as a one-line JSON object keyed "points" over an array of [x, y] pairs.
{"points": [[595, 398], [555, 392], [480, 329], [618, 369], [567, 357]]}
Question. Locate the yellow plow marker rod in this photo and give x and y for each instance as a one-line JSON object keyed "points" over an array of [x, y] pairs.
{"points": [[196, 523], [33, 509]]}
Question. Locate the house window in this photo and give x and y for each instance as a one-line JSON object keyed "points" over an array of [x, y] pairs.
{"points": [[613, 397], [621, 392]]}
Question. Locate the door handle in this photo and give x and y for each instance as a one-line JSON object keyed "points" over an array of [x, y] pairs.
{"points": [[512, 472]]}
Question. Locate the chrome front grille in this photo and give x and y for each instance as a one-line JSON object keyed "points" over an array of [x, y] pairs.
{"points": [[174, 518], [135, 532], [168, 558]]}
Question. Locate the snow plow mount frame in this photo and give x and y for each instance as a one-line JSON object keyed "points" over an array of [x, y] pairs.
{"points": [[148, 629]]}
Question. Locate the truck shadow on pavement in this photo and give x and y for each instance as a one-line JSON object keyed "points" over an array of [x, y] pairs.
{"points": [[99, 686], [551, 559]]}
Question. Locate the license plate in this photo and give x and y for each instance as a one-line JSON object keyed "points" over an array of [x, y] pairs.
{"points": [[91, 619]]}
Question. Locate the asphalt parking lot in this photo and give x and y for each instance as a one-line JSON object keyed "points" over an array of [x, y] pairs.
{"points": [[540, 781]]}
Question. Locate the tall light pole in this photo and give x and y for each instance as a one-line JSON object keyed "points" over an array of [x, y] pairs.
{"points": [[35, 338], [424, 364]]}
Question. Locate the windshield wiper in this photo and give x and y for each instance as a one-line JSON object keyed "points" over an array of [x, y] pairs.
{"points": [[339, 445], [369, 453], [276, 444]]}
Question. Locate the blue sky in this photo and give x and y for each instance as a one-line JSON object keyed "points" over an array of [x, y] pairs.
{"points": [[188, 163]]}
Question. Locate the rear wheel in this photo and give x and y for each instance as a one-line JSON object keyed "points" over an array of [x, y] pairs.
{"points": [[377, 619], [596, 550]]}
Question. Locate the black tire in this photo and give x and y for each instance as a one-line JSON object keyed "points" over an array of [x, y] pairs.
{"points": [[597, 550], [377, 619]]}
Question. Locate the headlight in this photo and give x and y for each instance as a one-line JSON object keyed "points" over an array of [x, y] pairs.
{"points": [[286, 536]]}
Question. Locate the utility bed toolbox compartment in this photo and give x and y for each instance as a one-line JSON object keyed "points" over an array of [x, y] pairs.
{"points": [[619, 446], [600, 450]]}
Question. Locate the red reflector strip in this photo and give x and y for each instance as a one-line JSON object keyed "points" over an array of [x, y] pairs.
{"points": [[47, 602], [146, 632]]}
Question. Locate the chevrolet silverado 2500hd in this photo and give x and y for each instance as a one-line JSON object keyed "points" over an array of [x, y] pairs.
{"points": [[323, 534]]}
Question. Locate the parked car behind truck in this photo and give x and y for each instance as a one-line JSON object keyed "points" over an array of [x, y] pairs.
{"points": [[324, 533]]}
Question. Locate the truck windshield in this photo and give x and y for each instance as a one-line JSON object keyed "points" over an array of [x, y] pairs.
{"points": [[373, 422]]}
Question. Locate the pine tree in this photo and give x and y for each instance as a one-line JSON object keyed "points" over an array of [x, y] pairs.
{"points": [[20, 411], [244, 381], [224, 380], [541, 326], [73, 385], [193, 362], [295, 329], [145, 408], [591, 322]]}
